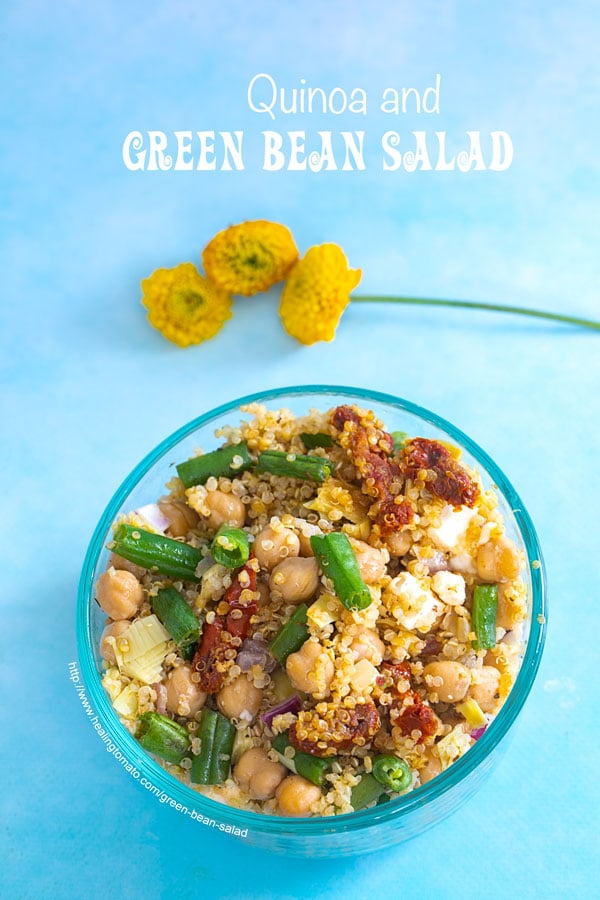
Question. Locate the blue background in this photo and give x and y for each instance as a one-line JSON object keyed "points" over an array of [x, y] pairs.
{"points": [[88, 387]]}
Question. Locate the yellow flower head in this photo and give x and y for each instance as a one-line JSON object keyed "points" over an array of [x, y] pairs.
{"points": [[185, 307], [251, 257], [316, 294]]}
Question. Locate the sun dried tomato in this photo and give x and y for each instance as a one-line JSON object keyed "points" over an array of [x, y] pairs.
{"points": [[408, 711], [209, 661], [370, 449], [445, 477], [414, 715], [339, 728]]}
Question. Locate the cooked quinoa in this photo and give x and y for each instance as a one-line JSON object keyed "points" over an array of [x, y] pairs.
{"points": [[403, 675]]}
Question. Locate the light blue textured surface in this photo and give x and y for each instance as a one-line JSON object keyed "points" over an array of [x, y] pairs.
{"points": [[88, 388]]}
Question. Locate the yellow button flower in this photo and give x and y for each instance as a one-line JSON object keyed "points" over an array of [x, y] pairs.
{"points": [[251, 257], [185, 307], [316, 294]]}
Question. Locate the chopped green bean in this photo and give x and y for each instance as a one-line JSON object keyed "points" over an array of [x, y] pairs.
{"points": [[231, 547], [200, 771], [399, 438], [318, 439], [337, 560], [176, 616], [160, 735], [189, 651], [313, 768], [295, 465], [392, 772], [212, 764], [155, 551], [291, 637], [366, 791], [483, 615], [228, 461]]}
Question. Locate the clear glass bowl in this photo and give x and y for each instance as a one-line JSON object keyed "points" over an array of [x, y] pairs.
{"points": [[358, 832]]}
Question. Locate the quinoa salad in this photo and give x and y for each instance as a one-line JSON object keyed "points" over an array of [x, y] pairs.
{"points": [[316, 617]]}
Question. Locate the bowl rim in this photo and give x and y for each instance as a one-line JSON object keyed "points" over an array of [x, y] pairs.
{"points": [[394, 809]]}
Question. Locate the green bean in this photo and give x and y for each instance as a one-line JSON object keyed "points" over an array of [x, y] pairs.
{"points": [[230, 547], [156, 552], [366, 791], [318, 439], [313, 768], [212, 764], [291, 637], [176, 616], [483, 615], [160, 735], [392, 772], [294, 465], [400, 438], [228, 461], [337, 560]]}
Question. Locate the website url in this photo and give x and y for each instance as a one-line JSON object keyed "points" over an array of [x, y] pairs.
{"points": [[162, 797]]}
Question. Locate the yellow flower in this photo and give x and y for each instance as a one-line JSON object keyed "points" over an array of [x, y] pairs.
{"points": [[251, 257], [185, 307], [316, 294]]}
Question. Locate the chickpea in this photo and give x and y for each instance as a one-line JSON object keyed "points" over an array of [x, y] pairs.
{"points": [[181, 516], [239, 699], [455, 680], [115, 629], [305, 532], [368, 645], [485, 688], [295, 796], [272, 545], [118, 562], [431, 768], [371, 561], [498, 560], [119, 593], [510, 612], [184, 697], [225, 509], [295, 579], [264, 594], [398, 543], [258, 775], [310, 669]]}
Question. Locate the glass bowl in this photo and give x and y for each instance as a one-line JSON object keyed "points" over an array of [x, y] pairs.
{"points": [[358, 832]]}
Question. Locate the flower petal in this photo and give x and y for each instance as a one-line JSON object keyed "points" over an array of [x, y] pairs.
{"points": [[184, 306], [316, 294], [251, 257]]}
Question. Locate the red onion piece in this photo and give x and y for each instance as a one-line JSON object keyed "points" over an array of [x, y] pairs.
{"points": [[255, 652], [477, 732], [161, 697], [437, 562], [154, 516], [291, 704]]}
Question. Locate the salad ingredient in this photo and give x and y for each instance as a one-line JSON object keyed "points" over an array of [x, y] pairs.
{"points": [[227, 461], [155, 551], [483, 615], [162, 736], [212, 764], [176, 616], [291, 637], [291, 465], [230, 547], [338, 561]]}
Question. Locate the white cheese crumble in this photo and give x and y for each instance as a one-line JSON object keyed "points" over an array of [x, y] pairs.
{"points": [[450, 587], [452, 528]]}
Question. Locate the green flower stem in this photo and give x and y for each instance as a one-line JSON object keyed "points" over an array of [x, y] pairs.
{"points": [[492, 307]]}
